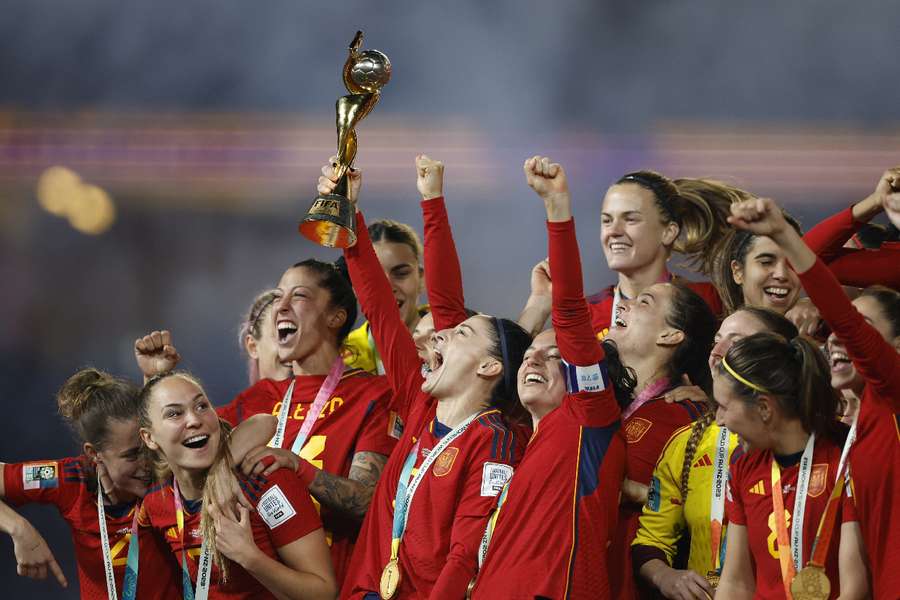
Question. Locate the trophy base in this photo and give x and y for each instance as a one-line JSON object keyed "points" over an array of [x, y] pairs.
{"points": [[330, 222]]}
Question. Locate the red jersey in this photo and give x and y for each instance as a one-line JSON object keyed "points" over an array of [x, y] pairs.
{"points": [[553, 530], [748, 502], [646, 430], [447, 517], [283, 514], [70, 485], [857, 267], [875, 456], [601, 303], [355, 419]]}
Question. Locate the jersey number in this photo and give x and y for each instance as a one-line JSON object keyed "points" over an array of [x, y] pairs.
{"points": [[773, 532]]}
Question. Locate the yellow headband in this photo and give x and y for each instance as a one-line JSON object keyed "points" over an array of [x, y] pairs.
{"points": [[746, 382]]}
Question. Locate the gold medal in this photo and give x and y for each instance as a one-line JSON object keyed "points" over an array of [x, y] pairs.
{"points": [[811, 583], [713, 578], [390, 579]]}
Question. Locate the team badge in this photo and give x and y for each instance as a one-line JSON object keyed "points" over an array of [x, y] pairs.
{"points": [[444, 462], [636, 429], [493, 477], [818, 479], [274, 507], [36, 476]]}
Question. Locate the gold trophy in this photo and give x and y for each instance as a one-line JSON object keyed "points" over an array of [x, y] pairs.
{"points": [[331, 220]]}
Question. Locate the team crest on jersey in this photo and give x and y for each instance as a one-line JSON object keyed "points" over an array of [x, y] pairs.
{"points": [[818, 479], [37, 476], [444, 462], [636, 429], [274, 507]]}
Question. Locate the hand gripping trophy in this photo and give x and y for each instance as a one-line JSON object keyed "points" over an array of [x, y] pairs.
{"points": [[330, 220]]}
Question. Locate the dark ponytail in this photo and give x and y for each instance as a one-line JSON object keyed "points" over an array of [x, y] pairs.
{"points": [[794, 373], [509, 343]]}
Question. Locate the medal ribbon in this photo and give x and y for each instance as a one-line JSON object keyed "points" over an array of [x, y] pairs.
{"points": [[204, 566], [129, 584], [654, 390], [404, 497], [829, 517], [492, 522], [315, 410], [717, 502], [790, 551]]}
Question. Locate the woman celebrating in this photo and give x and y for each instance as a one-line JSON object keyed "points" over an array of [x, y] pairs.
{"points": [[576, 450], [647, 216], [257, 338], [276, 551], [775, 395], [687, 497], [869, 331], [429, 511], [333, 423], [112, 554]]}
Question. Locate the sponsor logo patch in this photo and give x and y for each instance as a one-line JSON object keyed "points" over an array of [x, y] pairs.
{"points": [[818, 479], [653, 494], [444, 462], [705, 461], [759, 489], [274, 507], [636, 429], [37, 476], [493, 477]]}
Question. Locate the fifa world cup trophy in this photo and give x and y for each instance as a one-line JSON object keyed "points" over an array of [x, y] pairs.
{"points": [[330, 220]]}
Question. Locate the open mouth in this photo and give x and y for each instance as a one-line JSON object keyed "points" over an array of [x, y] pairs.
{"points": [[777, 294], [196, 442], [286, 330], [620, 322], [618, 247], [534, 379], [840, 362]]}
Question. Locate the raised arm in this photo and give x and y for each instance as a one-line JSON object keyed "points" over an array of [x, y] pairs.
{"points": [[876, 359], [443, 276], [392, 338]]}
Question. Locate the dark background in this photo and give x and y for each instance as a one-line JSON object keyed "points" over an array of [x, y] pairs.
{"points": [[206, 123]]}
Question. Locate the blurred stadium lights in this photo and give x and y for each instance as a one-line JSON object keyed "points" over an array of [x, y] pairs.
{"points": [[89, 209]]}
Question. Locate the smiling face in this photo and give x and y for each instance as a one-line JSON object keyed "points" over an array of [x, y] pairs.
{"points": [[765, 277], [184, 427], [264, 350], [303, 316], [631, 231], [740, 417], [844, 375], [540, 379], [402, 270], [461, 355], [641, 325], [737, 325], [121, 457]]}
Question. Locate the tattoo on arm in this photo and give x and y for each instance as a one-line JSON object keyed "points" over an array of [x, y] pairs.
{"points": [[350, 495]]}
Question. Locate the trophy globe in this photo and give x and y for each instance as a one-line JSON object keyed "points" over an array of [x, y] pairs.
{"points": [[371, 71]]}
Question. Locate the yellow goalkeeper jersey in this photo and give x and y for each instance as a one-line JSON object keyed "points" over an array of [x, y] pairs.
{"points": [[667, 516]]}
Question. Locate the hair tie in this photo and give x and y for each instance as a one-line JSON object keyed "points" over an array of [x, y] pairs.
{"points": [[746, 382], [504, 353]]}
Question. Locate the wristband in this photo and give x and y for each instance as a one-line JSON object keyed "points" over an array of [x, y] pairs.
{"points": [[592, 378]]}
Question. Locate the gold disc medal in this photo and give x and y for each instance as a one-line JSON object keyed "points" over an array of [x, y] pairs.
{"points": [[390, 579], [811, 583]]}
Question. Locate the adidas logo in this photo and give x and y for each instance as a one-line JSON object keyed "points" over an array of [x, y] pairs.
{"points": [[759, 488], [704, 461]]}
